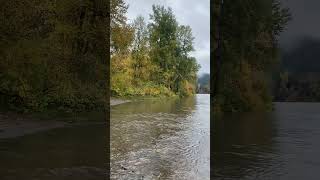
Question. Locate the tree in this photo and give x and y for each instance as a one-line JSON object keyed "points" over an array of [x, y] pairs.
{"points": [[245, 50], [121, 32], [185, 40], [163, 40], [153, 59], [53, 54], [140, 51], [170, 46]]}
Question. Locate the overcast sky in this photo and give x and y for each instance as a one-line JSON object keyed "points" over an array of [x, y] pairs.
{"points": [[195, 13], [305, 22]]}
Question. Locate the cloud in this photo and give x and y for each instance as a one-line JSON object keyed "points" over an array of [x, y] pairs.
{"points": [[196, 14], [202, 53], [304, 23]]}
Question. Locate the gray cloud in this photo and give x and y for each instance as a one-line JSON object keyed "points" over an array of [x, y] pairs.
{"points": [[196, 14], [305, 22]]}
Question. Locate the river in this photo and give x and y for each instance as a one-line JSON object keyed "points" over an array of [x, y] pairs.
{"points": [[68, 153], [169, 139], [161, 139], [283, 144]]}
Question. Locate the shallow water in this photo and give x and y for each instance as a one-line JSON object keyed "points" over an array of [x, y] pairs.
{"points": [[161, 139], [284, 144], [72, 153]]}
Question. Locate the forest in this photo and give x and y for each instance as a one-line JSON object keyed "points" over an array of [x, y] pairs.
{"points": [[151, 57], [53, 54], [245, 53]]}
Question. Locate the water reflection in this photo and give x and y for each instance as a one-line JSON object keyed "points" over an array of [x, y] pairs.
{"points": [[166, 139], [282, 144], [241, 144], [66, 153]]}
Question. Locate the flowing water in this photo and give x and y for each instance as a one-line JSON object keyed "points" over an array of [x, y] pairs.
{"points": [[70, 153], [281, 145], [161, 139], [169, 139]]}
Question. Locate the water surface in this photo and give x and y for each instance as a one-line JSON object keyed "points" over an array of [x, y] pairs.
{"points": [[161, 139], [284, 144], [70, 153]]}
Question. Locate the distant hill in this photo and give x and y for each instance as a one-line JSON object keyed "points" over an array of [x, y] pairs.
{"points": [[204, 84]]}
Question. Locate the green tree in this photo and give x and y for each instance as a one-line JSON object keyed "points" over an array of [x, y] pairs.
{"points": [[152, 59], [142, 65], [53, 54], [170, 47], [163, 43], [248, 35], [121, 32]]}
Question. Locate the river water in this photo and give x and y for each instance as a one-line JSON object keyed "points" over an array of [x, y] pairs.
{"points": [[161, 139], [69, 153], [281, 145], [169, 139]]}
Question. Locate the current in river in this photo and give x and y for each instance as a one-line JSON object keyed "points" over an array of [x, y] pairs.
{"points": [[280, 145], [161, 139]]}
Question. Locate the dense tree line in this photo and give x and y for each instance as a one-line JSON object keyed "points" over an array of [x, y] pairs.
{"points": [[53, 54], [245, 49], [151, 58], [298, 77]]}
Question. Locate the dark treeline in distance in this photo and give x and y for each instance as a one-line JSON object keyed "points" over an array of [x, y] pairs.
{"points": [[247, 32], [151, 58], [299, 76], [53, 54]]}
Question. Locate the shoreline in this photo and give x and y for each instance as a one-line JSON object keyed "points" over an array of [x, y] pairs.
{"points": [[15, 125], [116, 101]]}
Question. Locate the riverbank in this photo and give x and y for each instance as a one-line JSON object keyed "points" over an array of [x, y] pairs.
{"points": [[116, 101], [121, 100], [15, 125]]}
